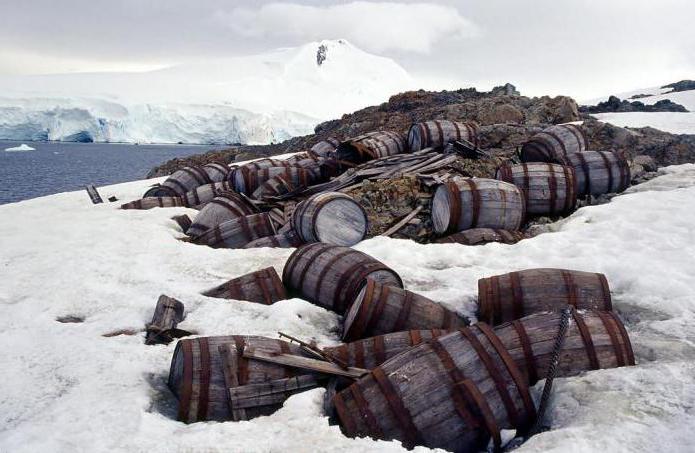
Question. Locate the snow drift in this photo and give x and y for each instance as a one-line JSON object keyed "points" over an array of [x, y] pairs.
{"points": [[67, 387]]}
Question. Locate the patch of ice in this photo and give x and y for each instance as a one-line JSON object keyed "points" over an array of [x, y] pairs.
{"points": [[20, 148]]}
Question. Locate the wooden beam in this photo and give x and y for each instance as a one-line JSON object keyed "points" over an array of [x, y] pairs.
{"points": [[229, 370], [403, 222], [305, 363], [93, 194], [272, 392]]}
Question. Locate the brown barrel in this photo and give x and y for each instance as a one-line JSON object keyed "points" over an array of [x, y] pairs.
{"points": [[554, 143], [437, 133], [379, 309], [279, 185], [599, 172], [594, 339], [262, 163], [216, 171], [236, 233], [183, 221], [330, 217], [369, 353], [517, 294], [202, 195], [196, 377], [331, 276], [324, 148], [180, 182], [477, 236], [247, 180], [454, 392], [548, 188], [263, 287], [372, 145], [154, 202], [284, 240], [226, 206], [464, 203]]}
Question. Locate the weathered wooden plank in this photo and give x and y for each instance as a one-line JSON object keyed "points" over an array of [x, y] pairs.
{"points": [[230, 367], [402, 222], [272, 392], [93, 194], [167, 314], [305, 363]]}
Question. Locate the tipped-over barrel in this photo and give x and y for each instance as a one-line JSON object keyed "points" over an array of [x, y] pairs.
{"points": [[331, 218], [331, 276], [263, 287], [180, 182], [514, 295], [227, 206], [284, 240], [372, 145], [477, 236], [246, 180], [554, 143], [548, 188], [200, 196], [437, 133], [236, 233], [464, 203], [324, 148], [599, 172], [154, 202]]}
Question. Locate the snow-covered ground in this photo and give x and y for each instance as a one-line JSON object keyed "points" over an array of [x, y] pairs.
{"points": [[249, 99], [66, 387]]}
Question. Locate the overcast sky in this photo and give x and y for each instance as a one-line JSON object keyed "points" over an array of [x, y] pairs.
{"points": [[584, 48]]}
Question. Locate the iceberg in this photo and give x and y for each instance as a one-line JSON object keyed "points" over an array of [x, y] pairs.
{"points": [[20, 148]]}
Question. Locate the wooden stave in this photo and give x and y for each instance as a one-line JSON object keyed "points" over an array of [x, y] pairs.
{"points": [[379, 309], [553, 143], [305, 216], [372, 145], [236, 233], [445, 421], [437, 133], [533, 359], [607, 172], [189, 369], [263, 287], [477, 236], [288, 239], [510, 296], [201, 195], [548, 188], [154, 202], [488, 203], [226, 206], [324, 148], [314, 272]]}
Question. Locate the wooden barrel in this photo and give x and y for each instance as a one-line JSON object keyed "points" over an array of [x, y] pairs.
{"points": [[599, 172], [202, 195], [324, 148], [226, 206], [594, 339], [464, 203], [454, 392], [280, 185], [263, 287], [477, 236], [262, 163], [517, 294], [548, 188], [183, 221], [180, 182], [216, 171], [371, 145], [154, 202], [288, 239], [554, 143], [236, 233], [331, 276], [379, 309], [196, 375], [437, 133], [369, 353], [330, 217], [313, 166], [247, 180]]}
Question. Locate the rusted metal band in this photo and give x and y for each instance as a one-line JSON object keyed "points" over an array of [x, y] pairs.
{"points": [[345, 416], [217, 235], [197, 174], [454, 206], [276, 282], [242, 362], [496, 299], [472, 133], [495, 374], [458, 129], [475, 195], [182, 189], [291, 265], [605, 290], [403, 312], [587, 173], [626, 338], [559, 140], [518, 308], [553, 189], [229, 206], [526, 179], [358, 326], [484, 300], [379, 306], [504, 173], [187, 381], [366, 413], [440, 131], [477, 400], [379, 349], [529, 357], [246, 228], [513, 370], [586, 339], [581, 140], [448, 319], [570, 288], [411, 435], [428, 135], [570, 193], [415, 337], [260, 279], [204, 380], [359, 273], [608, 325], [609, 169], [542, 146], [329, 265], [358, 352]]}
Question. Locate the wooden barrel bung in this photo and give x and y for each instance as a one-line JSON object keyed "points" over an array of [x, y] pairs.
{"points": [[554, 143], [548, 188], [478, 236], [514, 295], [331, 276], [465, 203], [437, 133], [379, 309], [454, 392], [226, 206], [263, 287], [330, 217], [236, 233], [595, 339], [599, 172]]}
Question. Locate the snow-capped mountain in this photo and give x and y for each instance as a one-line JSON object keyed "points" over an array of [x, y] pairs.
{"points": [[251, 99]]}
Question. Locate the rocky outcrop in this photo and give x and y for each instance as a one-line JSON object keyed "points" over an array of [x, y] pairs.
{"points": [[683, 85], [614, 104]]}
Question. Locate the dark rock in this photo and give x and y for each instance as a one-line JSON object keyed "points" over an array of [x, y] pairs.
{"points": [[614, 104], [683, 85]]}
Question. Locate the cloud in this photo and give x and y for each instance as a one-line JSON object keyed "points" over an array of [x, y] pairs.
{"points": [[377, 27]]}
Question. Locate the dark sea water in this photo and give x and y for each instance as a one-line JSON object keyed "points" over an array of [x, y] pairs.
{"points": [[60, 167]]}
